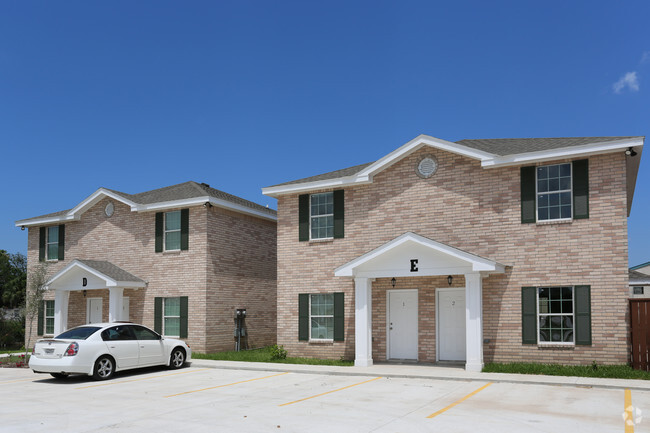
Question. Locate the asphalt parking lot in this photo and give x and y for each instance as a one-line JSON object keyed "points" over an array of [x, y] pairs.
{"points": [[202, 399]]}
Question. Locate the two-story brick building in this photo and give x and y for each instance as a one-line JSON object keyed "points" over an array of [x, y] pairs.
{"points": [[177, 259], [475, 251]]}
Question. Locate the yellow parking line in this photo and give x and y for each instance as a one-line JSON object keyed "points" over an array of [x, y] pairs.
{"points": [[18, 380], [228, 384], [329, 392], [459, 401], [142, 378], [629, 412]]}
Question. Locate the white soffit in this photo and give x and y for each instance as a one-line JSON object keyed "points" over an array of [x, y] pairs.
{"points": [[394, 259]]}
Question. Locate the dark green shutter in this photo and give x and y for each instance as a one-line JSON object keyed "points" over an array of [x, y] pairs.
{"points": [[159, 231], [303, 217], [157, 315], [61, 241], [40, 323], [339, 316], [303, 317], [339, 213], [527, 180], [581, 189], [41, 244], [185, 229], [529, 315], [582, 308], [184, 313]]}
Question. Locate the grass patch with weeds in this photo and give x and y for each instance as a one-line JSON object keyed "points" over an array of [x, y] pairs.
{"points": [[266, 354], [593, 370]]}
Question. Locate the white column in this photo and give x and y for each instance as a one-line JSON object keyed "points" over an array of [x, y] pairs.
{"points": [[115, 295], [61, 298], [362, 322], [474, 322]]}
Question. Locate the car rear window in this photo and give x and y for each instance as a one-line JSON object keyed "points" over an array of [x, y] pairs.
{"points": [[80, 333]]}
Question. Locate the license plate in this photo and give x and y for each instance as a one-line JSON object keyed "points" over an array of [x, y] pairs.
{"points": [[49, 351]]}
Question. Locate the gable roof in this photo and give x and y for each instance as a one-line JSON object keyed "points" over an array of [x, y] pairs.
{"points": [[180, 195], [500, 152], [642, 265], [106, 274], [638, 278]]}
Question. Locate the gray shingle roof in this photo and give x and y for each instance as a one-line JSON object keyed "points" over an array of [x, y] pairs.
{"points": [[180, 191], [513, 146], [496, 146], [111, 271]]}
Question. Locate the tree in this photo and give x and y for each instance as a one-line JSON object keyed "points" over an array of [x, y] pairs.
{"points": [[13, 276], [36, 288]]}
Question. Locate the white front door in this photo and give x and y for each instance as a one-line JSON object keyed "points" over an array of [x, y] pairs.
{"points": [[94, 310], [402, 324], [125, 309], [451, 324]]}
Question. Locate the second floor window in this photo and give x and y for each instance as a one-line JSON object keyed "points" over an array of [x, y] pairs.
{"points": [[554, 195], [322, 215], [49, 317], [173, 231], [52, 243]]}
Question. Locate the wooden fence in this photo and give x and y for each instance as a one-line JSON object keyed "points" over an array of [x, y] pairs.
{"points": [[640, 328]]}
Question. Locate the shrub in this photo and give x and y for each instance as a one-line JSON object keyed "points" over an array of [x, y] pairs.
{"points": [[278, 352], [12, 333]]}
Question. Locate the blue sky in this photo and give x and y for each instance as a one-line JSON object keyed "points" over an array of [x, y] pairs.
{"points": [[139, 95]]}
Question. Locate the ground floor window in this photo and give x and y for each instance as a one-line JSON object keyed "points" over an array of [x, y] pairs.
{"points": [[49, 317], [171, 316], [556, 315], [321, 317]]}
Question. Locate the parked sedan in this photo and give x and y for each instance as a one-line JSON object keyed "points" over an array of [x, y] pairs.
{"points": [[101, 349]]}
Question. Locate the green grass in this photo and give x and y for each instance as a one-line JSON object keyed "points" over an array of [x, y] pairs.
{"points": [[14, 361], [594, 370], [264, 355]]}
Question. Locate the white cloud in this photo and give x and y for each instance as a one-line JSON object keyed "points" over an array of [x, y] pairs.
{"points": [[628, 80], [645, 57]]}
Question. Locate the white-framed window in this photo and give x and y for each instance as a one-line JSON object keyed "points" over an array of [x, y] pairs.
{"points": [[52, 243], [554, 194], [321, 215], [172, 317], [173, 231], [555, 315], [48, 317], [321, 317]]}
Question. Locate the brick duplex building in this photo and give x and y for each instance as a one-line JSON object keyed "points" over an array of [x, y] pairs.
{"points": [[475, 251], [177, 259]]}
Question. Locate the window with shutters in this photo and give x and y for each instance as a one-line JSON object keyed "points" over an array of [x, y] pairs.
{"points": [[321, 317], [555, 315], [49, 318], [321, 215], [554, 193], [171, 317], [173, 231], [52, 243]]}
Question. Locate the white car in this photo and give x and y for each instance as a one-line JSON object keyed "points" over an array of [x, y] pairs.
{"points": [[101, 349]]}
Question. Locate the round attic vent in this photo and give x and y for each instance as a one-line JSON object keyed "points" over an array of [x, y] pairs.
{"points": [[109, 209], [427, 166]]}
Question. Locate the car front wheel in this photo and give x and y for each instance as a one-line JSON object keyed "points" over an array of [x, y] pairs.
{"points": [[104, 368], [177, 358]]}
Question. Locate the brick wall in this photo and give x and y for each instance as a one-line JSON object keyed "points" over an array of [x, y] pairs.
{"points": [[478, 211]]}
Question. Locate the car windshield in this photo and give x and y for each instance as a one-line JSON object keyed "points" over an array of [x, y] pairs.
{"points": [[80, 333]]}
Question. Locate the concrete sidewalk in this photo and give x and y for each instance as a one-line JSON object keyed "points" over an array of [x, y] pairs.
{"points": [[418, 371]]}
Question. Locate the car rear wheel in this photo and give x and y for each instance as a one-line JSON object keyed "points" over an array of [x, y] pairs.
{"points": [[59, 375], [104, 368], [177, 359]]}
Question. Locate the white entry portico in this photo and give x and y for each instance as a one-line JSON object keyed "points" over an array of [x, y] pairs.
{"points": [[90, 275], [412, 255]]}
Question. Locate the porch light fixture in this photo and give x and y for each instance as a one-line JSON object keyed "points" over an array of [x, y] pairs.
{"points": [[450, 279], [393, 282], [630, 152], [85, 292]]}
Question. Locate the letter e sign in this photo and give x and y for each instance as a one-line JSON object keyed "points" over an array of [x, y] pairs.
{"points": [[414, 265]]}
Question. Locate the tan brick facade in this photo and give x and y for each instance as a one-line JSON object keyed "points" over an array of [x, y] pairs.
{"points": [[230, 264], [477, 210]]}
